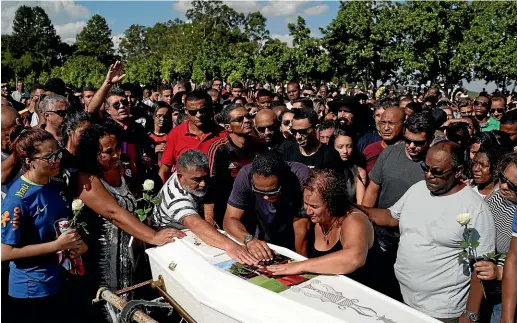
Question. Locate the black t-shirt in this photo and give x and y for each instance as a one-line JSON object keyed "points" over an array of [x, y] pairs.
{"points": [[324, 157]]}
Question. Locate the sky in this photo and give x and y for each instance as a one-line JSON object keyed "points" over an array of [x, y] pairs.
{"points": [[69, 17]]}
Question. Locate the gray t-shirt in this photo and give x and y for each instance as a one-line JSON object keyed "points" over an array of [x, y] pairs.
{"points": [[431, 279], [395, 173]]}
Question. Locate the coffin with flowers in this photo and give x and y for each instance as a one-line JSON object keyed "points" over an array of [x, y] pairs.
{"points": [[212, 288]]}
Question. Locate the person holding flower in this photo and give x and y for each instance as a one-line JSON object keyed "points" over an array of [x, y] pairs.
{"points": [[431, 278], [30, 210]]}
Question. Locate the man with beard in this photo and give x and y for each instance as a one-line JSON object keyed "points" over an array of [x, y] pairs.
{"points": [[181, 203], [427, 267], [481, 113], [198, 132], [266, 125], [344, 109], [227, 156], [397, 168], [391, 126], [309, 150]]}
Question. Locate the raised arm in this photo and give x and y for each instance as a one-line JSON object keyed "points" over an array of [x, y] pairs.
{"points": [[113, 76], [96, 197]]}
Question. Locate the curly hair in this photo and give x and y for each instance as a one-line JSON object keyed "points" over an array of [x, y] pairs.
{"points": [[331, 185], [494, 155], [89, 143]]}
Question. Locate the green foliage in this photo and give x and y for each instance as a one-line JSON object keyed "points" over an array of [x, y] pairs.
{"points": [[81, 71], [95, 40]]}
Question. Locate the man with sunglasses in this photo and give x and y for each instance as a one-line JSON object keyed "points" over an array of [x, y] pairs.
{"points": [[266, 205], [498, 108], [54, 108], [309, 150], [426, 266], [199, 131], [397, 168], [267, 128], [482, 106], [227, 156]]}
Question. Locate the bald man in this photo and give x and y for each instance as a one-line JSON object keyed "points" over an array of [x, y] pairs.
{"points": [[10, 119], [268, 129], [391, 126], [426, 267]]}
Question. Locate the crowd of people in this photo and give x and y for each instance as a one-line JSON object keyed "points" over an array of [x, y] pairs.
{"points": [[364, 185]]}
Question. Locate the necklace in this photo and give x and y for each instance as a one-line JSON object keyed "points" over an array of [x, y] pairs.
{"points": [[326, 234]]}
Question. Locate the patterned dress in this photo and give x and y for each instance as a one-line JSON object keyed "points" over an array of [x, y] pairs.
{"points": [[116, 261]]}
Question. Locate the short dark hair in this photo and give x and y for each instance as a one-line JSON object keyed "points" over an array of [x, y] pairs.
{"points": [[225, 113], [72, 121], [198, 95], [89, 88], [509, 117], [306, 113], [459, 133], [237, 85], [264, 92], [439, 117], [164, 87], [306, 103], [331, 185], [416, 107], [268, 164], [327, 124], [420, 122], [294, 83], [36, 87], [55, 85]]}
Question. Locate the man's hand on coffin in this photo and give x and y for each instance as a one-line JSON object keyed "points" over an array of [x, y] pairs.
{"points": [[241, 255], [260, 250], [166, 235], [292, 268]]}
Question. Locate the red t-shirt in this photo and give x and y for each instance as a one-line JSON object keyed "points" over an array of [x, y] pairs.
{"points": [[180, 140], [371, 152]]}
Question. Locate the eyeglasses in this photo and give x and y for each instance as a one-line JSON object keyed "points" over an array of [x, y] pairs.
{"points": [[418, 143], [497, 110], [241, 118], [123, 102], [61, 113], [53, 157], [504, 180], [286, 122], [433, 171], [302, 132], [201, 111], [271, 128], [481, 103], [266, 193]]}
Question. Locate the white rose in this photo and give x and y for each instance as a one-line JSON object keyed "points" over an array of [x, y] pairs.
{"points": [[77, 205], [148, 185], [463, 218]]}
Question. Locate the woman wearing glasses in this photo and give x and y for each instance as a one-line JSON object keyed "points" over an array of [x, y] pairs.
{"points": [[30, 210], [502, 203], [339, 236]]}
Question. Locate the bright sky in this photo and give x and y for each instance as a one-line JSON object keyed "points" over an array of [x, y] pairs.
{"points": [[69, 17]]}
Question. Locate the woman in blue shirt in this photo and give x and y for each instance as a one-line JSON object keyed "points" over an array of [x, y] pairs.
{"points": [[29, 211]]}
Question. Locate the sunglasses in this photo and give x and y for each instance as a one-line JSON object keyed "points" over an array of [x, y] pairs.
{"points": [[503, 179], [61, 113], [122, 102], [286, 122], [241, 118], [433, 171], [53, 157], [201, 111], [418, 143], [271, 128], [497, 110], [481, 103], [266, 193], [302, 132]]}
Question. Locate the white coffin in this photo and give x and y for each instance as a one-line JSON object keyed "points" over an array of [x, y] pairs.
{"points": [[211, 295]]}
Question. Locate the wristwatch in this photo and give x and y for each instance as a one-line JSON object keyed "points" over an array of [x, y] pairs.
{"points": [[247, 239], [473, 317]]}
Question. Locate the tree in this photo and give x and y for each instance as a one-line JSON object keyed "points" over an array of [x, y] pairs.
{"points": [[429, 39], [95, 40], [358, 40], [81, 71], [134, 43], [272, 63], [490, 45], [311, 60]]}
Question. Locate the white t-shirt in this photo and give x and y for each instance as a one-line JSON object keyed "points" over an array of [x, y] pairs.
{"points": [[431, 279]]}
